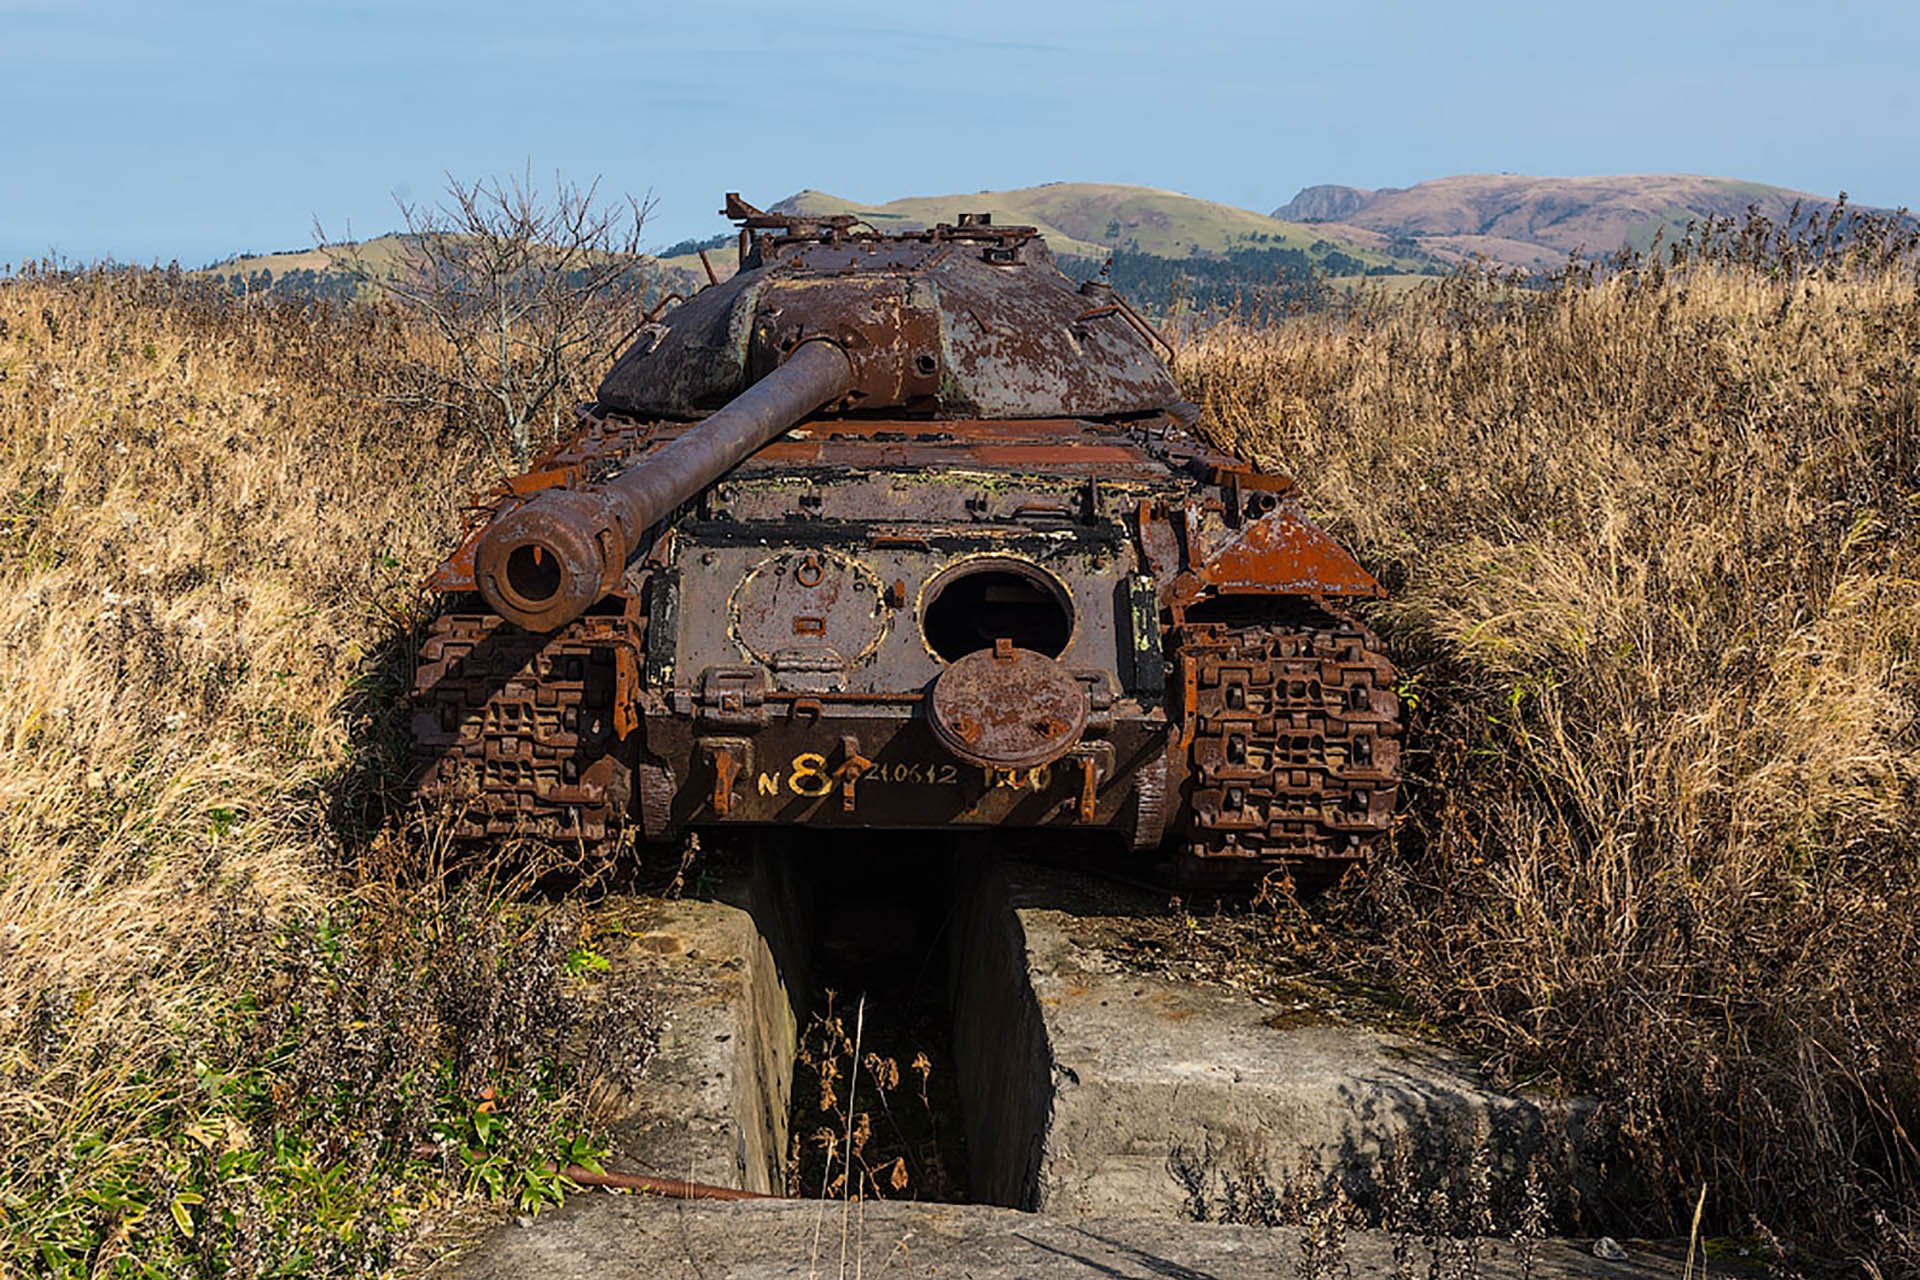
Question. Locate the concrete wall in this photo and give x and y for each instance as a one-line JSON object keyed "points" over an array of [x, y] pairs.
{"points": [[725, 979], [780, 904], [1001, 1059], [1085, 1072], [1086, 1078]]}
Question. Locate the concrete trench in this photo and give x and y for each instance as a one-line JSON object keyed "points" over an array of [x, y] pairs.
{"points": [[1087, 1087], [1125, 1077]]}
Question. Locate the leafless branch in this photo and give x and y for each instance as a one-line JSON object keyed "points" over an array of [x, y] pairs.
{"points": [[527, 293]]}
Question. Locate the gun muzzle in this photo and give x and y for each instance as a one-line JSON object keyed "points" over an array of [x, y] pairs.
{"points": [[545, 563]]}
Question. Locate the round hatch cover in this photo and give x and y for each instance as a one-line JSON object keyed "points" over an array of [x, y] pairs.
{"points": [[800, 603], [1007, 708]]}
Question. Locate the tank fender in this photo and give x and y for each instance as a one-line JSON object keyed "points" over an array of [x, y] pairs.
{"points": [[1282, 553]]}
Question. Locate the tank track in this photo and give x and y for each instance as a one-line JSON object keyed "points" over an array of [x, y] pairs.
{"points": [[515, 734], [1291, 740], [1293, 735]]}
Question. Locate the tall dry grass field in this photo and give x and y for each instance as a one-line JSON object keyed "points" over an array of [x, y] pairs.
{"points": [[224, 1029], [1654, 542], [1654, 548]]}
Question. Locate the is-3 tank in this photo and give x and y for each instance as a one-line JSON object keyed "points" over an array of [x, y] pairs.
{"points": [[907, 531]]}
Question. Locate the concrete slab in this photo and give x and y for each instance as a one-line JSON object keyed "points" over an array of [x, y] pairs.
{"points": [[718, 975], [1086, 1077], [602, 1237], [1103, 1078]]}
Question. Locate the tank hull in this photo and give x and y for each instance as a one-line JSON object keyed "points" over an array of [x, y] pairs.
{"points": [[768, 659], [906, 530]]}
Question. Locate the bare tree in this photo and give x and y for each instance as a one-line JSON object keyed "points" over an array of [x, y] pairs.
{"points": [[529, 292]]}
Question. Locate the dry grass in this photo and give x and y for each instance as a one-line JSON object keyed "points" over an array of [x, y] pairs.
{"points": [[204, 548], [230, 1004], [1655, 548], [1654, 544]]}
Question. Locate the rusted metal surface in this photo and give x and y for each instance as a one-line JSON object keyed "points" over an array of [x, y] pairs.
{"points": [[672, 1188], [1279, 553], [907, 531], [1293, 747], [1009, 708], [519, 734], [968, 320], [816, 606]]}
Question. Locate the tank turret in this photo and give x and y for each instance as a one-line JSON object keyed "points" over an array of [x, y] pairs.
{"points": [[910, 530]]}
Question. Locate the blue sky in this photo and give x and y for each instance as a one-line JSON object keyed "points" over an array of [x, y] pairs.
{"points": [[149, 130]]}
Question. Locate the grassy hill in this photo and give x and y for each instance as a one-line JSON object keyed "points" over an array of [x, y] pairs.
{"points": [[1095, 219], [379, 251], [1537, 223], [328, 270], [322, 271]]}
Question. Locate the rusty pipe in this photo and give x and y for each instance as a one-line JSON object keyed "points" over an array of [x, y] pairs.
{"points": [[672, 1188], [545, 563]]}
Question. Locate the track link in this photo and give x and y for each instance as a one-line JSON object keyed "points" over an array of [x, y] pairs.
{"points": [[1293, 750], [517, 734]]}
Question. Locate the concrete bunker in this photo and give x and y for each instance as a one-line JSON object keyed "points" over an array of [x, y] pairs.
{"points": [[1068, 1082]]}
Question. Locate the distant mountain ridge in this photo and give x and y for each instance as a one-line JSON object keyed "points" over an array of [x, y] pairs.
{"points": [[1324, 203], [1096, 220], [1165, 248], [1534, 222]]}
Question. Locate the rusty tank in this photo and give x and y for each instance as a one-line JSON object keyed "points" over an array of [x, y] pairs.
{"points": [[907, 530]]}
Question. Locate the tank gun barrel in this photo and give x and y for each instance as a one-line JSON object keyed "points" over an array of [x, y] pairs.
{"points": [[544, 564]]}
